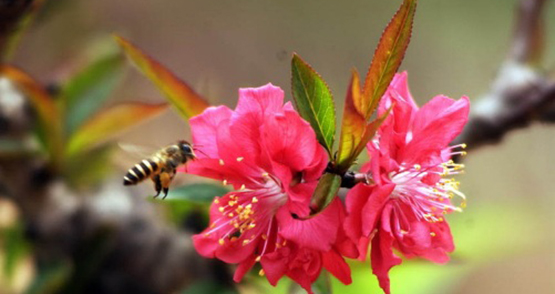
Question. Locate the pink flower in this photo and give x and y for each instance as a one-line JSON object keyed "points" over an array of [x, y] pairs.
{"points": [[272, 158], [405, 205]]}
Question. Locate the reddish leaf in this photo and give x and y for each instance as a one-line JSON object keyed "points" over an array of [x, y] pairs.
{"points": [[50, 124], [353, 125], [187, 102], [369, 131], [15, 19], [387, 58], [356, 132], [110, 122]]}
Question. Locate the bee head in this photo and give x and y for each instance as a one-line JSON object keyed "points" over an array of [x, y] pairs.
{"points": [[187, 149]]}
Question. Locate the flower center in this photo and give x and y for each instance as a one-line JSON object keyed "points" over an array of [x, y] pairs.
{"points": [[248, 213], [427, 191]]}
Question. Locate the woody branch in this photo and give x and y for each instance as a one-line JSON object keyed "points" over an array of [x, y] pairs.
{"points": [[521, 92]]}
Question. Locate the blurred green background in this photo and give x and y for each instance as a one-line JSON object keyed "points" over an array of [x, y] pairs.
{"points": [[505, 236]]}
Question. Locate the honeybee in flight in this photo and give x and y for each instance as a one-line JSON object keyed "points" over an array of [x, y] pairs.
{"points": [[161, 166]]}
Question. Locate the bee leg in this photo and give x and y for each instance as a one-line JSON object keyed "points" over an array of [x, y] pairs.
{"points": [[165, 180], [157, 185]]}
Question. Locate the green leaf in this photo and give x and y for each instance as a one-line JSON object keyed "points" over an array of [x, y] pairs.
{"points": [[50, 278], [84, 170], [196, 193], [86, 92], [314, 101], [187, 102], [325, 191], [110, 122], [15, 247], [387, 58], [209, 287], [322, 284]]}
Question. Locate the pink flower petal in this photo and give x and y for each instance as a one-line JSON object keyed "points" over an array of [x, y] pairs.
{"points": [[275, 264], [337, 266], [372, 209], [243, 268], [204, 128], [383, 258], [291, 141], [205, 246], [436, 125], [261, 100], [318, 232], [361, 222]]}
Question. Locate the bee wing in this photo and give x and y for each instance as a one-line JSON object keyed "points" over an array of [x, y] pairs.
{"points": [[131, 154], [136, 150]]}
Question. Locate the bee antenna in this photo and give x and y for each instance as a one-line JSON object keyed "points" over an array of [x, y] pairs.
{"points": [[200, 151]]}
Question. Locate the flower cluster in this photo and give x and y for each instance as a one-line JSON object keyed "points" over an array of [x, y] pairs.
{"points": [[271, 157]]}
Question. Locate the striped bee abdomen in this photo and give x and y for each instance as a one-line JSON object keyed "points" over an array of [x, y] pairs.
{"points": [[139, 172]]}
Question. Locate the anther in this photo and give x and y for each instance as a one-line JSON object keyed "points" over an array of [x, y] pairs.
{"points": [[221, 162], [239, 159]]}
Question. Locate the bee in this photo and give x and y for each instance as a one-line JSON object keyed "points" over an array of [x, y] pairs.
{"points": [[161, 166]]}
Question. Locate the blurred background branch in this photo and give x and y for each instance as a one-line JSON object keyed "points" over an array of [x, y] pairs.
{"points": [[522, 92], [110, 239], [87, 232]]}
